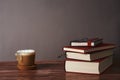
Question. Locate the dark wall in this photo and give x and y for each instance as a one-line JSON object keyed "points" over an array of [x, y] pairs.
{"points": [[48, 25]]}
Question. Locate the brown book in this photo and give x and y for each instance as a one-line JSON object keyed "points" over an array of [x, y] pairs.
{"points": [[90, 56], [88, 49], [88, 67]]}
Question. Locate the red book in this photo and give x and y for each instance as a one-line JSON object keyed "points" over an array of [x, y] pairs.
{"points": [[93, 67], [88, 49], [91, 56], [87, 42]]}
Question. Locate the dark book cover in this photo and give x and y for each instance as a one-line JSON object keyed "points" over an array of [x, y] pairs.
{"points": [[88, 49]]}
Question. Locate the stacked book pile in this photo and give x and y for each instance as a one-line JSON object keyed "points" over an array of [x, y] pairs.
{"points": [[90, 56]]}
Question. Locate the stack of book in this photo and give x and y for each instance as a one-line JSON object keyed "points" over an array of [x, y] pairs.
{"points": [[90, 56]]}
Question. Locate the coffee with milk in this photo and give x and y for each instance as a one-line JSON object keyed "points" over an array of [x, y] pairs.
{"points": [[25, 58]]}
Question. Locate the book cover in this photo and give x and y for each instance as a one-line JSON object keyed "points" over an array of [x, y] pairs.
{"points": [[90, 56], [88, 49], [88, 67], [87, 42]]}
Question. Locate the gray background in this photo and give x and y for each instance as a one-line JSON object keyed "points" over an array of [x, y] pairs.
{"points": [[48, 25]]}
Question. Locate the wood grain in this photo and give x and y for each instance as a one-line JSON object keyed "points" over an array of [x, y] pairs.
{"points": [[53, 70]]}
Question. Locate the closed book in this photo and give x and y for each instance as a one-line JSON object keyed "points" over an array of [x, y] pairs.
{"points": [[88, 49], [90, 56], [87, 42], [93, 67]]}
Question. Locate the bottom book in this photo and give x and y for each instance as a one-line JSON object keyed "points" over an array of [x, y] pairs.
{"points": [[93, 67]]}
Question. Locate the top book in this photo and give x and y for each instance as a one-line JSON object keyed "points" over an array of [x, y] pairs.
{"points": [[87, 42]]}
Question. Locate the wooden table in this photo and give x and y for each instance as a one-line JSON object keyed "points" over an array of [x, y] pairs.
{"points": [[53, 70]]}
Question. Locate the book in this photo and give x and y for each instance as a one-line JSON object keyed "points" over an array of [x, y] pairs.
{"points": [[91, 56], [88, 49], [87, 42], [93, 67]]}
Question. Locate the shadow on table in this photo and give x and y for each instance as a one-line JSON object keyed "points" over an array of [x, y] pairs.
{"points": [[44, 71], [49, 66]]}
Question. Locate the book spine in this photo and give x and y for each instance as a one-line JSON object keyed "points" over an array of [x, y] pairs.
{"points": [[94, 42]]}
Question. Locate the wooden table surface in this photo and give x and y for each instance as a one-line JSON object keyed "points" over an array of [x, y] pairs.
{"points": [[53, 70]]}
